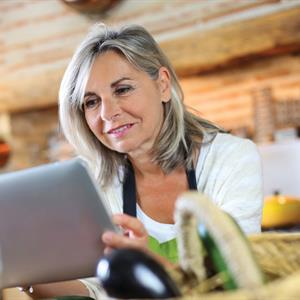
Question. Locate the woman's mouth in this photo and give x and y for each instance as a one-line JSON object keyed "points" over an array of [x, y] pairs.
{"points": [[120, 131]]}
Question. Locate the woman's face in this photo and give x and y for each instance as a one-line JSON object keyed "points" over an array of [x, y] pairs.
{"points": [[123, 106]]}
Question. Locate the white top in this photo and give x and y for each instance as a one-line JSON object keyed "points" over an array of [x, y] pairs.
{"points": [[160, 231], [228, 171]]}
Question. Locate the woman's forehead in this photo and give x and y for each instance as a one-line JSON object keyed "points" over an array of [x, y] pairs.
{"points": [[110, 67], [110, 63]]}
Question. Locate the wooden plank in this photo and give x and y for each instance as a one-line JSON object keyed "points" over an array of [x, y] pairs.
{"points": [[261, 72], [38, 90], [275, 72], [202, 51]]}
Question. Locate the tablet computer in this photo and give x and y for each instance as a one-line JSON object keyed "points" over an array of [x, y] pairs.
{"points": [[51, 222]]}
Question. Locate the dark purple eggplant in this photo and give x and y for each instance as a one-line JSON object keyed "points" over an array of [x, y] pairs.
{"points": [[130, 273]]}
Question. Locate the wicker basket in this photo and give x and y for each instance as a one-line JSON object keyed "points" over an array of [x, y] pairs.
{"points": [[277, 254]]}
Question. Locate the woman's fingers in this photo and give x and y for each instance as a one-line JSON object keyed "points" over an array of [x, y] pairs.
{"points": [[134, 234], [107, 250], [131, 224], [114, 240]]}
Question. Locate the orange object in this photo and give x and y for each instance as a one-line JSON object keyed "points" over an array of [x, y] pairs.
{"points": [[281, 211], [4, 153]]}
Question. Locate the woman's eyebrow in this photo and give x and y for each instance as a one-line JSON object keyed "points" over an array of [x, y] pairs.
{"points": [[89, 94], [113, 84]]}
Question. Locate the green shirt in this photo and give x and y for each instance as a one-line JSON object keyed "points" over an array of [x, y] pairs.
{"points": [[167, 249]]}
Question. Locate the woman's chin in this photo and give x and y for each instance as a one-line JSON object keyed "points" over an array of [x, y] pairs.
{"points": [[132, 149], [124, 149]]}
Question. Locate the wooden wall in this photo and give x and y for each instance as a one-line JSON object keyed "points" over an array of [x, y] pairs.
{"points": [[222, 50], [226, 97], [37, 38]]}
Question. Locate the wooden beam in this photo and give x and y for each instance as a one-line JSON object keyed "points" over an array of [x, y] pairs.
{"points": [[35, 91], [202, 51], [5, 126], [34, 82]]}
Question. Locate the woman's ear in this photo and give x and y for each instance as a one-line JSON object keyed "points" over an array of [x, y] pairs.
{"points": [[164, 82]]}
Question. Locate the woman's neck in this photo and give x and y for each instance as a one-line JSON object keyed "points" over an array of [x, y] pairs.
{"points": [[143, 166]]}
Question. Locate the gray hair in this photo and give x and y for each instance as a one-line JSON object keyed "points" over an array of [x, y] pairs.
{"points": [[181, 131]]}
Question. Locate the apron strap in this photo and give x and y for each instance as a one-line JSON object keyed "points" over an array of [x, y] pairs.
{"points": [[191, 177], [129, 192]]}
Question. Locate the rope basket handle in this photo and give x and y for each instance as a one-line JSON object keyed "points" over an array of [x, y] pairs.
{"points": [[195, 211]]}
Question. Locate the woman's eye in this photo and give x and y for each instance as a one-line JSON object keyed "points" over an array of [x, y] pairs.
{"points": [[91, 103], [123, 90]]}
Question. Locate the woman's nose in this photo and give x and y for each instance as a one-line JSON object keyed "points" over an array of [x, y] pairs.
{"points": [[109, 110]]}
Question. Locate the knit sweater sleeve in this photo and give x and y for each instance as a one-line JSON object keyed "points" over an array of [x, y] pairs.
{"points": [[232, 178]]}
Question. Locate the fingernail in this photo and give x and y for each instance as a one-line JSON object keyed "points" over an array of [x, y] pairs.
{"points": [[107, 250], [116, 217], [106, 237]]}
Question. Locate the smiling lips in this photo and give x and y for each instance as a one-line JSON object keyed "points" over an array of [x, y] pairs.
{"points": [[120, 131]]}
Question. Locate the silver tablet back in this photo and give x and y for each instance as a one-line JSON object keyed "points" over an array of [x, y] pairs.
{"points": [[51, 222]]}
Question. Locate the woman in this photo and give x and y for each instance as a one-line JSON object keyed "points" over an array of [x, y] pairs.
{"points": [[121, 107]]}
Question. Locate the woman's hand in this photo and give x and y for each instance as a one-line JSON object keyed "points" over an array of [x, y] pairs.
{"points": [[135, 234]]}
